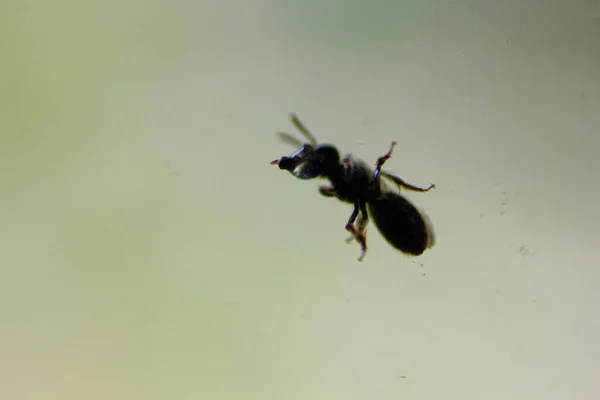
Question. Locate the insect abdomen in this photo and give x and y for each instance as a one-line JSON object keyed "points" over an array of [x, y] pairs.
{"points": [[400, 223]]}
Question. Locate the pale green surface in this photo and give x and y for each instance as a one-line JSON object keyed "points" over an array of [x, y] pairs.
{"points": [[149, 251]]}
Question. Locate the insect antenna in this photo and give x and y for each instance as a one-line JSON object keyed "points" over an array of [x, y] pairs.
{"points": [[303, 129], [287, 138]]}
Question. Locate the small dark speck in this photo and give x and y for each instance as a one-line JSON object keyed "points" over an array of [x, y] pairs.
{"points": [[525, 251]]}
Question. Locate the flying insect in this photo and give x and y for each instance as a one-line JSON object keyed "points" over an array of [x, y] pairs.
{"points": [[370, 191]]}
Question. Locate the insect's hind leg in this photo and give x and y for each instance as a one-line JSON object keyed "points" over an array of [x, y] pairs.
{"points": [[380, 161], [402, 183], [396, 179]]}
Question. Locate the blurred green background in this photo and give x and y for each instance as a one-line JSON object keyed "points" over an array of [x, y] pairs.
{"points": [[149, 251]]}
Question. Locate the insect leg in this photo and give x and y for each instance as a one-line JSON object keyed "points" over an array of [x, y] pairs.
{"points": [[380, 161], [350, 225], [328, 191], [361, 234], [401, 182]]}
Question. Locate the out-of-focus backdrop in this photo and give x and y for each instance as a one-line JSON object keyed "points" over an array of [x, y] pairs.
{"points": [[149, 251]]}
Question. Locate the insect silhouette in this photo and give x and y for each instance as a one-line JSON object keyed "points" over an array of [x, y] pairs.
{"points": [[369, 190]]}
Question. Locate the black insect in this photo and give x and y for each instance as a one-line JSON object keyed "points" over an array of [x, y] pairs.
{"points": [[353, 181]]}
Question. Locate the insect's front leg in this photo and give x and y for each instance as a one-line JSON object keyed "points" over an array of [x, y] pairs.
{"points": [[328, 191]]}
